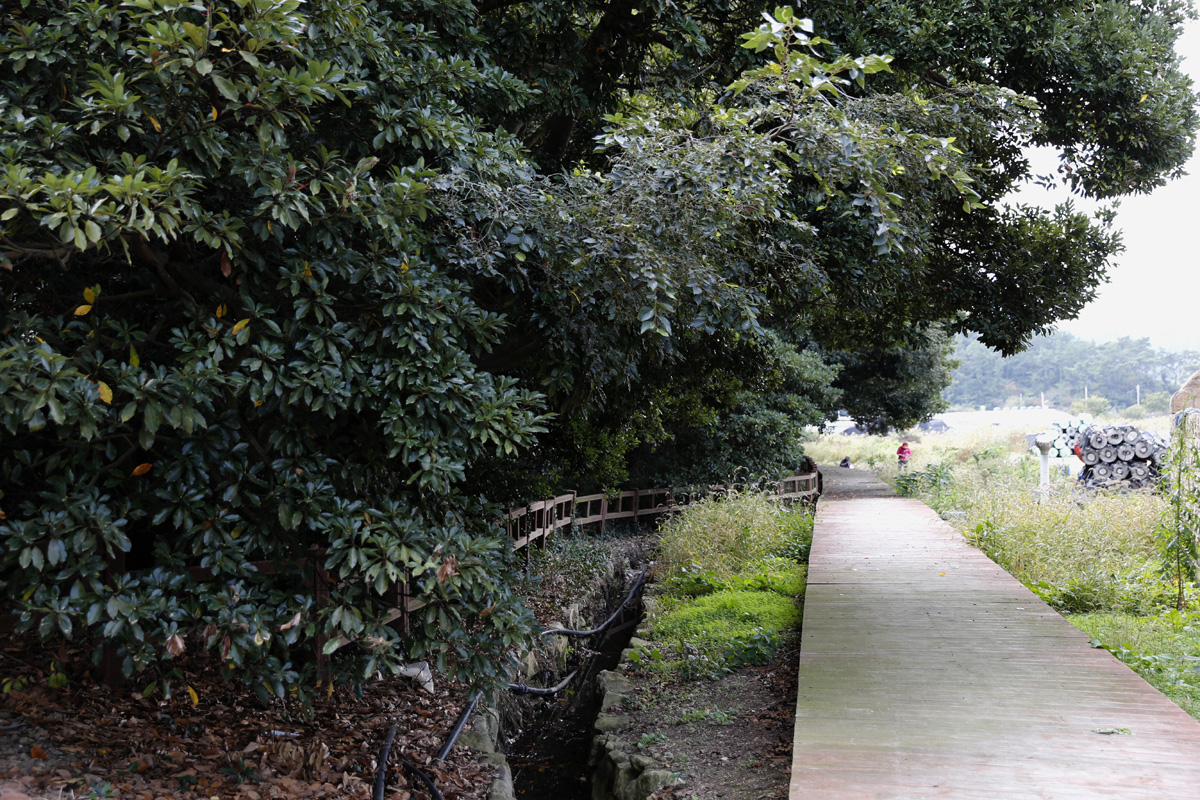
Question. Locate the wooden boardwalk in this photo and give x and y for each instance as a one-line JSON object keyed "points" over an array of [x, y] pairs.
{"points": [[926, 671]]}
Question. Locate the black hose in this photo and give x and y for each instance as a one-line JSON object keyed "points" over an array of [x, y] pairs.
{"points": [[425, 779], [607, 622], [521, 688], [381, 775], [458, 726]]}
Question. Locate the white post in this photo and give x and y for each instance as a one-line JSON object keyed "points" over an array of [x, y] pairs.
{"points": [[1139, 394], [1043, 441]]}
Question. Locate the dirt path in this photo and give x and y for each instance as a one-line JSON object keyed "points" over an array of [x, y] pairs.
{"points": [[729, 738]]}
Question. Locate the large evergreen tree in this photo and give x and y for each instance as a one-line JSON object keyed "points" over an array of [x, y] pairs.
{"points": [[278, 279]]}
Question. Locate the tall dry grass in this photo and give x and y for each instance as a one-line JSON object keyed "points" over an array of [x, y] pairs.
{"points": [[726, 535]]}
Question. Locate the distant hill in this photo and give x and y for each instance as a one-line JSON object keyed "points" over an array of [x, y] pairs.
{"points": [[1066, 368]]}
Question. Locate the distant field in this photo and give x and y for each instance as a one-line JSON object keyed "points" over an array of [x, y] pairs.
{"points": [[1029, 420]]}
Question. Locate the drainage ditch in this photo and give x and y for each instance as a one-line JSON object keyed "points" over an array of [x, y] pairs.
{"points": [[549, 757]]}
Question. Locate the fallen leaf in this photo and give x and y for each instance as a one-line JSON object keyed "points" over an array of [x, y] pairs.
{"points": [[447, 570], [175, 644], [141, 469], [37, 752]]}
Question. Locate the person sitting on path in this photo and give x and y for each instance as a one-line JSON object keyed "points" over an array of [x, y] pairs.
{"points": [[845, 462], [903, 453]]}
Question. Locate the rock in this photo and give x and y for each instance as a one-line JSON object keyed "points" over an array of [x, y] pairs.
{"points": [[609, 722], [954, 515], [643, 763], [645, 785], [614, 682], [1188, 396], [477, 741], [502, 787]]}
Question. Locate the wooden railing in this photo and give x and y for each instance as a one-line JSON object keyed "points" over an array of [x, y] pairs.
{"points": [[534, 523]]}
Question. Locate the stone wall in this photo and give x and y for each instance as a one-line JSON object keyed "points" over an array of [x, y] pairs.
{"points": [[619, 771]]}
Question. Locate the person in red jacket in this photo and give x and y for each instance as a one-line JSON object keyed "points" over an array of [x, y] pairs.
{"points": [[903, 453]]}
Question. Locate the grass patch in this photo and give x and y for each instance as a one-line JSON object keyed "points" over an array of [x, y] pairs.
{"points": [[714, 620], [1164, 650], [731, 572]]}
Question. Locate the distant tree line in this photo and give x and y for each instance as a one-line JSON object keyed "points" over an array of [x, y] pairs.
{"points": [[1070, 370]]}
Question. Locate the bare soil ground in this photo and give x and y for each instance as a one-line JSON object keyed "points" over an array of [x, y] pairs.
{"points": [[729, 738]]}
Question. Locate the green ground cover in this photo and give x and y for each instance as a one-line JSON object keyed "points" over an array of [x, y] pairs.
{"points": [[730, 576]]}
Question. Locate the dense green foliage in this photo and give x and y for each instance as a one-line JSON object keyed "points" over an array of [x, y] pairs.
{"points": [[308, 285], [1066, 367]]}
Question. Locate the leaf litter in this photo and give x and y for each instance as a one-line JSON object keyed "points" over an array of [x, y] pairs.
{"points": [[86, 740]]}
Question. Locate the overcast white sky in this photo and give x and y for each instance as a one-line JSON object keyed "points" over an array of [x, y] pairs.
{"points": [[1154, 287]]}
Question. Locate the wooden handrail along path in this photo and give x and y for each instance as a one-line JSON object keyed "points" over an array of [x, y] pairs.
{"points": [[535, 522], [926, 671]]}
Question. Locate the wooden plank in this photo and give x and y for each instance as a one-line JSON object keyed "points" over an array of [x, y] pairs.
{"points": [[926, 671]]}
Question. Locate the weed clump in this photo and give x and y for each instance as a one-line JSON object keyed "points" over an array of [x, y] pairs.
{"points": [[724, 535], [732, 571]]}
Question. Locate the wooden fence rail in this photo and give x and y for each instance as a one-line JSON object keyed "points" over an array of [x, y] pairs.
{"points": [[534, 523]]}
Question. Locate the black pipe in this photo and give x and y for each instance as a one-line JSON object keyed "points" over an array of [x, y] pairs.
{"points": [[381, 775], [458, 726], [607, 622], [521, 688], [411, 767]]}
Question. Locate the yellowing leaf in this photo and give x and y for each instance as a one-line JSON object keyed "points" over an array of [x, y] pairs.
{"points": [[214, 113], [238, 328], [1143, 98], [89, 295], [154, 122], [134, 360], [221, 310], [105, 392], [83, 310], [195, 697], [141, 469]]}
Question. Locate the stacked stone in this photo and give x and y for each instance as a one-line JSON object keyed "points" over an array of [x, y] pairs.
{"points": [[1120, 456]]}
